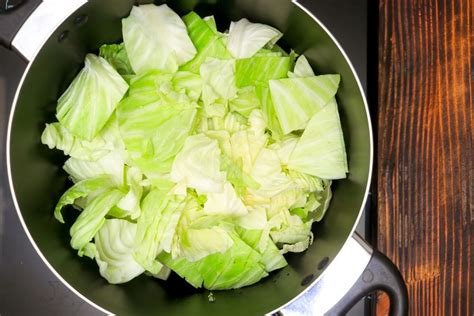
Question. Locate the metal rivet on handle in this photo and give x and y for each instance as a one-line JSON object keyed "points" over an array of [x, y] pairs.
{"points": [[307, 280], [63, 36], [323, 263], [368, 276], [80, 20]]}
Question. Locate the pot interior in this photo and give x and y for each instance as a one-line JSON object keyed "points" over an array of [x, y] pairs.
{"points": [[38, 179]]}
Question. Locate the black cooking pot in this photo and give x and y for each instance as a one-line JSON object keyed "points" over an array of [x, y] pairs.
{"points": [[337, 270]]}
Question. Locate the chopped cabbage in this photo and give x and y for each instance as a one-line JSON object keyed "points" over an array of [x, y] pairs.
{"points": [[155, 37], [87, 104], [197, 152], [246, 38]]}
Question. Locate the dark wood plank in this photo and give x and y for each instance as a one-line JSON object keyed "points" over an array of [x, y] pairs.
{"points": [[425, 174]]}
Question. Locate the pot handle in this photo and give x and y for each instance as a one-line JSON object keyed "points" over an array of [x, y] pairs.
{"points": [[13, 13], [25, 27], [380, 274], [355, 272]]}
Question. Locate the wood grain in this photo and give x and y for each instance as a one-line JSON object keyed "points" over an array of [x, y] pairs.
{"points": [[425, 174]]}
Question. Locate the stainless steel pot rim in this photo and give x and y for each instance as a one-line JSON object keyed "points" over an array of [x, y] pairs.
{"points": [[83, 297]]}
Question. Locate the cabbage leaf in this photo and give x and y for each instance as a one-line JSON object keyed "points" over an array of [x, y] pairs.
{"points": [[87, 104], [296, 100], [156, 38], [247, 38], [115, 243]]}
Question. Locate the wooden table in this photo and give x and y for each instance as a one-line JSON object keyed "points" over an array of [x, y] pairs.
{"points": [[425, 172]]}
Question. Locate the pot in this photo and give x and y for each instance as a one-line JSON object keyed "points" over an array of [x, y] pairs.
{"points": [[337, 270]]}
